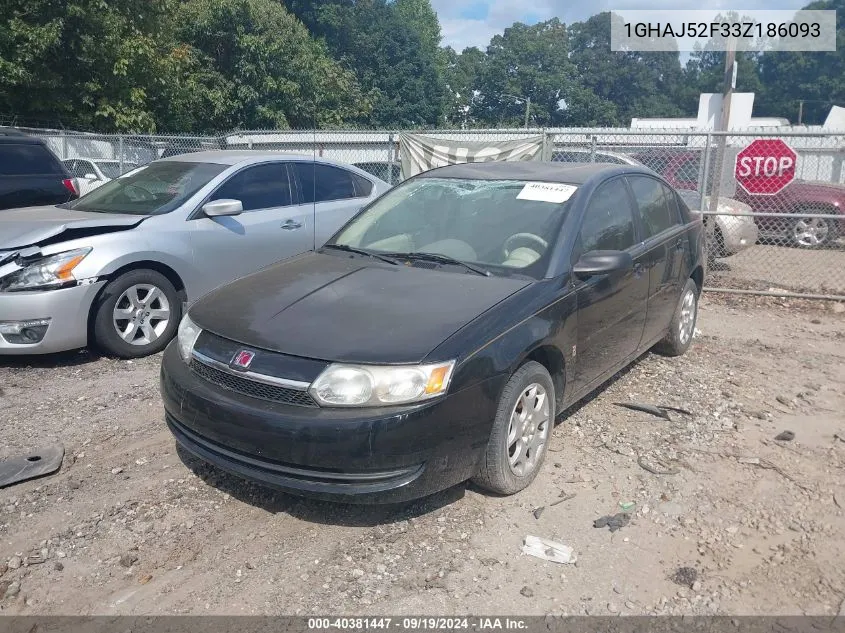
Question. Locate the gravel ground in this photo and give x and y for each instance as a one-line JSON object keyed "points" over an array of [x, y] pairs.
{"points": [[765, 266], [745, 525]]}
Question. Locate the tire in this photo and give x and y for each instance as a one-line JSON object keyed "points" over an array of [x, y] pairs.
{"points": [[678, 339], [811, 232], [497, 473], [125, 296]]}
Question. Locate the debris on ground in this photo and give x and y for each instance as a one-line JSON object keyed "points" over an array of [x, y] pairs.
{"points": [[645, 408], [685, 576], [128, 559], [786, 436], [539, 511], [627, 505], [656, 471], [613, 522], [548, 550], [37, 463], [526, 591]]}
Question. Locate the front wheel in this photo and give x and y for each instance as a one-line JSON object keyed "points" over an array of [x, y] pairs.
{"points": [[811, 232], [137, 314], [682, 327], [521, 431]]}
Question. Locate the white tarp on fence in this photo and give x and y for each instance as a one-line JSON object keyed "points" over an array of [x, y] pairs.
{"points": [[421, 153]]}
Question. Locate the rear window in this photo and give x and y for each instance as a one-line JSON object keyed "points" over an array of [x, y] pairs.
{"points": [[26, 159]]}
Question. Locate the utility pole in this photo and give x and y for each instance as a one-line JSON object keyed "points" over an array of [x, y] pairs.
{"points": [[800, 111], [527, 110], [724, 123]]}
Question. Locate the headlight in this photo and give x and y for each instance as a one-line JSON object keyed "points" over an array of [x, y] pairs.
{"points": [[51, 271], [187, 337], [374, 386]]}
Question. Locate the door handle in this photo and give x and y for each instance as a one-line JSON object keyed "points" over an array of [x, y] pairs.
{"points": [[638, 269], [681, 246], [291, 225]]}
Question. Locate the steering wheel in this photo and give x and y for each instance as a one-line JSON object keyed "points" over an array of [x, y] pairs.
{"points": [[527, 237], [142, 194]]}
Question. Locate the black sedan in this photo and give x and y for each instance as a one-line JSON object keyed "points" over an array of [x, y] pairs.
{"points": [[435, 338]]}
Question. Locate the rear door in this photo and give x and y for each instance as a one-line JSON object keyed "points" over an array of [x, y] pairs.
{"points": [[335, 193], [666, 248], [611, 308], [30, 174], [272, 226]]}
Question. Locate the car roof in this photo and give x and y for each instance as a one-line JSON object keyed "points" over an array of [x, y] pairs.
{"points": [[236, 157], [571, 173], [16, 137]]}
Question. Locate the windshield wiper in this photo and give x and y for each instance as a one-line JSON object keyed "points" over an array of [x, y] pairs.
{"points": [[361, 251], [441, 259]]}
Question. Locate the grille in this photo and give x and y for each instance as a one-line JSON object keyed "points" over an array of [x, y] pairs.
{"points": [[252, 388]]}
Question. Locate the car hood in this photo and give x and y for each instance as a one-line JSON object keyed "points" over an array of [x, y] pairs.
{"points": [[36, 225], [349, 308]]}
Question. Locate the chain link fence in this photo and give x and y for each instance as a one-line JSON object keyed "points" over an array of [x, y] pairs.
{"points": [[773, 200]]}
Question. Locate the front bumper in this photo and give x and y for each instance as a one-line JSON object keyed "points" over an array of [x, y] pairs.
{"points": [[737, 233], [349, 455], [67, 309]]}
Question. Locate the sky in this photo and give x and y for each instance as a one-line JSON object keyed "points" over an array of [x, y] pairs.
{"points": [[474, 22]]}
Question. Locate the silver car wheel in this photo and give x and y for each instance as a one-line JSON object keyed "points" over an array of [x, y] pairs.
{"points": [[528, 430], [686, 323], [810, 232], [141, 314]]}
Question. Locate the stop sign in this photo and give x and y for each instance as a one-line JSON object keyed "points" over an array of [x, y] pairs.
{"points": [[765, 167]]}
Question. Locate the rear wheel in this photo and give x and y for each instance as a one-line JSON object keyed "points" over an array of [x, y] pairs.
{"points": [[521, 431], [137, 314], [682, 327]]}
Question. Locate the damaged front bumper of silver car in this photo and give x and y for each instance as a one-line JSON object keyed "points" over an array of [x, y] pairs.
{"points": [[44, 308]]}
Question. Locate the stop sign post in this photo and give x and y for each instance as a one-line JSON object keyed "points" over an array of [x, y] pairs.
{"points": [[765, 167]]}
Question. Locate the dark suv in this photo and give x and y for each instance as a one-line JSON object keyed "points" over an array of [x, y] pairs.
{"points": [[30, 174]]}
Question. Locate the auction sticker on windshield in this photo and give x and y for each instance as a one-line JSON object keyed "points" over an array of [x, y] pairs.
{"points": [[547, 192]]}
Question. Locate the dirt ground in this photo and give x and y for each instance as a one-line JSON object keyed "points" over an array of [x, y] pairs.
{"points": [[127, 528]]}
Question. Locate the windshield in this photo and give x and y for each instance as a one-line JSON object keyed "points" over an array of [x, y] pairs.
{"points": [[504, 225], [111, 169], [150, 190]]}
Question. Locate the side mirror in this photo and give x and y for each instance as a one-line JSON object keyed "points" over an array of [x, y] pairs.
{"points": [[90, 177], [602, 263], [217, 208]]}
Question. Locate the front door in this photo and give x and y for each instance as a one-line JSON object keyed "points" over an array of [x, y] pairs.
{"points": [[271, 227], [666, 247], [611, 308]]}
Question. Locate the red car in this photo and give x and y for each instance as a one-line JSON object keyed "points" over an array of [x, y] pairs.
{"points": [[682, 168]]}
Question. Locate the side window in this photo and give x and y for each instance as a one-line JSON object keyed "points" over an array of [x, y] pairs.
{"points": [[363, 187], [259, 187], [72, 167], [672, 201], [324, 183], [27, 159], [84, 168], [654, 206], [608, 221]]}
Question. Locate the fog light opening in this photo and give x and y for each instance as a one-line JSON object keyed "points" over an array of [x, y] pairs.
{"points": [[24, 332]]}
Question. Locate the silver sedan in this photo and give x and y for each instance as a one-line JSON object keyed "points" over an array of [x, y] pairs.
{"points": [[118, 266], [734, 229]]}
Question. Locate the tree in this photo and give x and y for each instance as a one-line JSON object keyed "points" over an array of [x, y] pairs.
{"points": [[816, 78], [534, 62], [393, 49], [96, 65], [638, 84], [265, 67], [462, 74]]}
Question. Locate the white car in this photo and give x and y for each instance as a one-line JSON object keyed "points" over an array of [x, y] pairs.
{"points": [[94, 172]]}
